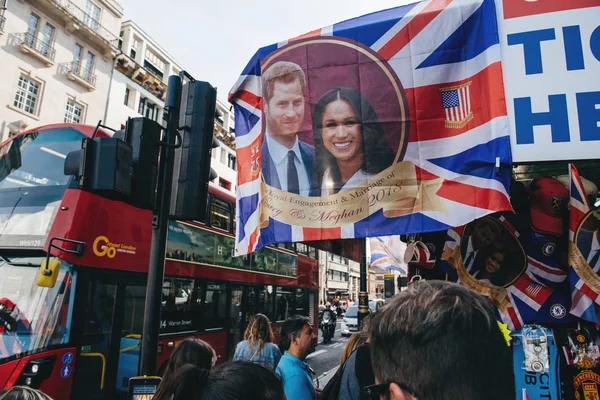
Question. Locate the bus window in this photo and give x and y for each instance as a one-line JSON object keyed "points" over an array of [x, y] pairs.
{"points": [[287, 264], [133, 316], [300, 302], [180, 303], [265, 260], [285, 303], [265, 296], [215, 306], [220, 214], [301, 248], [96, 340]]}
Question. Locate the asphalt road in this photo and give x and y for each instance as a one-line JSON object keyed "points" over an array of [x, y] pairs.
{"points": [[326, 358]]}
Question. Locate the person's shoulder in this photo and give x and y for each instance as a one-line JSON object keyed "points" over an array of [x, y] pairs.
{"points": [[306, 147], [272, 347]]}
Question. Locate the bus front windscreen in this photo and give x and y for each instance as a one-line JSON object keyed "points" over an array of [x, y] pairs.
{"points": [[37, 158], [33, 318]]}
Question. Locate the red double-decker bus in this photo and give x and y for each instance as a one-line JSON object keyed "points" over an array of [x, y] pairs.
{"points": [[81, 338]]}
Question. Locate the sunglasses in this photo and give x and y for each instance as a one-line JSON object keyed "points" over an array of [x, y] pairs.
{"points": [[374, 392]]}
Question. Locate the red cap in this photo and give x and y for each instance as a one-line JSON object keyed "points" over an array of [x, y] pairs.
{"points": [[549, 199]]}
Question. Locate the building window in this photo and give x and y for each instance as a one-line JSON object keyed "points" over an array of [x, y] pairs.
{"points": [[231, 163], [77, 52], [121, 40], [154, 64], [74, 113], [142, 105], [92, 17], [126, 99], [47, 38], [147, 109], [214, 153], [27, 94], [34, 22], [223, 157], [151, 111], [134, 46]]}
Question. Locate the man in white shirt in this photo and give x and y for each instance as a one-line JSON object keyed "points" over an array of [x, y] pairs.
{"points": [[485, 232], [287, 163]]}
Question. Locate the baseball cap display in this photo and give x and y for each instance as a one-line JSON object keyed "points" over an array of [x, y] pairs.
{"points": [[549, 199]]}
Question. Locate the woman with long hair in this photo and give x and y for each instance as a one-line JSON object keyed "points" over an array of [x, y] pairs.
{"points": [[190, 351], [237, 380], [352, 344], [350, 143], [257, 346]]}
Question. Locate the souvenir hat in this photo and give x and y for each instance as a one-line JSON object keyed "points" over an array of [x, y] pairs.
{"points": [[548, 204]]}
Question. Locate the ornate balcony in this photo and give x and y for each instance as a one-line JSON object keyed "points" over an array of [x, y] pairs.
{"points": [[141, 76], [38, 49], [79, 21], [80, 75]]}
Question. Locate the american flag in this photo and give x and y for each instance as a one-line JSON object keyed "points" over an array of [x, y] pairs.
{"points": [[457, 104], [431, 45], [582, 296], [387, 253]]}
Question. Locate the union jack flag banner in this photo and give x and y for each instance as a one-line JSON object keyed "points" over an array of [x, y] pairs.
{"points": [[387, 252], [390, 123], [584, 251]]}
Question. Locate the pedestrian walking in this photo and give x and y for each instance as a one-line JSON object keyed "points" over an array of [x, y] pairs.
{"points": [[298, 340], [257, 346]]}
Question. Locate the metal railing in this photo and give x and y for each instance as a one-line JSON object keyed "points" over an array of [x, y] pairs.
{"points": [[81, 72], [2, 21], [39, 46], [87, 20]]}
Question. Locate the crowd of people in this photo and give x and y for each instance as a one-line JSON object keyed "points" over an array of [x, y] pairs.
{"points": [[434, 341]]}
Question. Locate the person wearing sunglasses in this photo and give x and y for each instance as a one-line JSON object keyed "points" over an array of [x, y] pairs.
{"points": [[439, 341]]}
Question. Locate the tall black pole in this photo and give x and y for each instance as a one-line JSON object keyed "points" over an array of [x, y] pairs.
{"points": [[363, 295], [160, 227]]}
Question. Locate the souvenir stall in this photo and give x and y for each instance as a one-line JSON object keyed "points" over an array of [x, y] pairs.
{"points": [[539, 268]]}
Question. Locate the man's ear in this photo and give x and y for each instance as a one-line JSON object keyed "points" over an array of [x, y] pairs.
{"points": [[396, 393]]}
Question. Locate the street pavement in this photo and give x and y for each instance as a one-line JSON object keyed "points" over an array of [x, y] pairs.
{"points": [[326, 358]]}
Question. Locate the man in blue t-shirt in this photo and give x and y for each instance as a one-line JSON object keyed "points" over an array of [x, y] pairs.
{"points": [[298, 340]]}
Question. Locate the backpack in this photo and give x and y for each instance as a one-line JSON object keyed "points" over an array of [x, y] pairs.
{"points": [[331, 391]]}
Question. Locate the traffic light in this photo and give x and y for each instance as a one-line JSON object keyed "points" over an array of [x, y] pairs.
{"points": [[192, 159], [102, 165], [143, 134]]}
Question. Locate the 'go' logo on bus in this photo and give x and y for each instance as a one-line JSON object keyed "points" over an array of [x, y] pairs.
{"points": [[103, 247]]}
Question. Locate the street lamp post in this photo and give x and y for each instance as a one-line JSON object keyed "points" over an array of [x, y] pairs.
{"points": [[363, 295]]}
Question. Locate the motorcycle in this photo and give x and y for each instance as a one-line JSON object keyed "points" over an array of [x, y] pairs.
{"points": [[327, 326]]}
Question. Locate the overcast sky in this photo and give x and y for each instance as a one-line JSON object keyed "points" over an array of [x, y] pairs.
{"points": [[215, 39]]}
